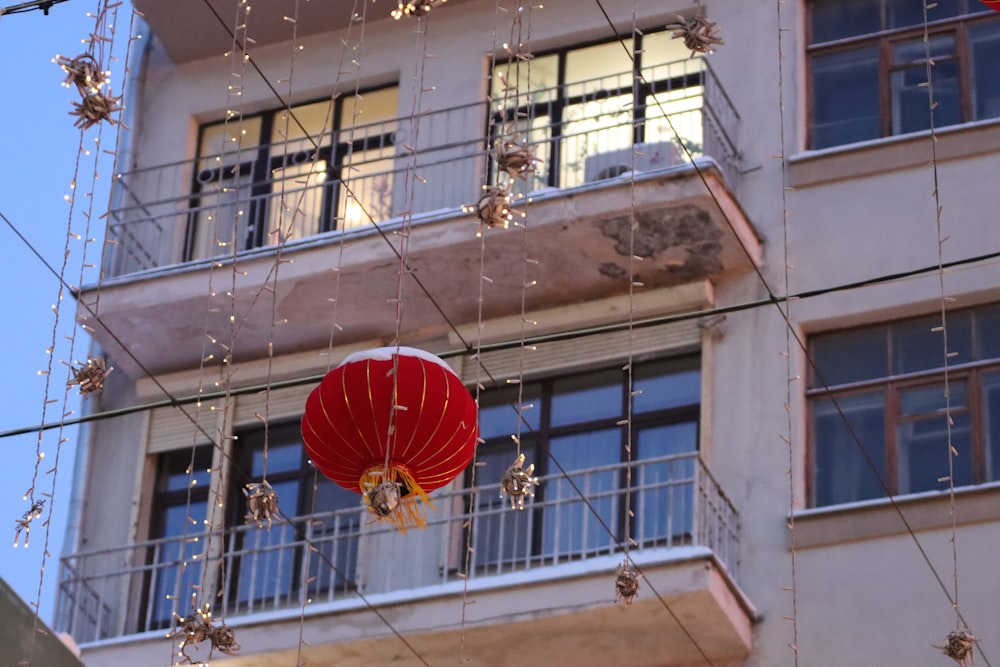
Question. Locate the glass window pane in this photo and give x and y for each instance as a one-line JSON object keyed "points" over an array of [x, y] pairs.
{"points": [[659, 48], [837, 19], [235, 141], [596, 136], [571, 529], [923, 453], [501, 536], [664, 501], [984, 41], [903, 13], [602, 61], [587, 397], [841, 474], [661, 389], [373, 106], [498, 413], [684, 108], [850, 356], [314, 127], [179, 468], [370, 178], [845, 97], [917, 347], [987, 332], [910, 100], [991, 424], [281, 457], [169, 578], [519, 83], [930, 400]]}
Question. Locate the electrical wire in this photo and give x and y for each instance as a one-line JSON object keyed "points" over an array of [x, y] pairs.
{"points": [[569, 334]]}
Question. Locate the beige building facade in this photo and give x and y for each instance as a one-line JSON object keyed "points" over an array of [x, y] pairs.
{"points": [[809, 480]]}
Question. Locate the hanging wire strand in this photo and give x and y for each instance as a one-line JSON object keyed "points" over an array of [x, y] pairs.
{"points": [[787, 314], [569, 334], [946, 355]]}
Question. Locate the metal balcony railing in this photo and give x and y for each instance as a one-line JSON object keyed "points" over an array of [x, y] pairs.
{"points": [[341, 182], [325, 557]]}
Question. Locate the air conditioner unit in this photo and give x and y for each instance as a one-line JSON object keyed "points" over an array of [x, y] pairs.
{"points": [[640, 157]]}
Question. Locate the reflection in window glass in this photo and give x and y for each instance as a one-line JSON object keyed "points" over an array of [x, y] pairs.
{"points": [[850, 356], [665, 491], [991, 423], [570, 526], [923, 453], [837, 19], [845, 103], [984, 41], [918, 346], [841, 472], [910, 100], [666, 390], [596, 62], [583, 398], [373, 106]]}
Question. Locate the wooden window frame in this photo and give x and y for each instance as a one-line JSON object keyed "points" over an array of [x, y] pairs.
{"points": [[885, 39]]}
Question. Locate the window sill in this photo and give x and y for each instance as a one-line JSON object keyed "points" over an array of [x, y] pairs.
{"points": [[888, 154], [871, 519]]}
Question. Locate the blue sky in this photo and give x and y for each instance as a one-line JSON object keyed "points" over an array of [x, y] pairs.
{"points": [[40, 149]]}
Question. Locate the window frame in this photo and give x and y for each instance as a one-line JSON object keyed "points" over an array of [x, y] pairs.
{"points": [[265, 160], [308, 478], [554, 109], [885, 39], [540, 441], [891, 386]]}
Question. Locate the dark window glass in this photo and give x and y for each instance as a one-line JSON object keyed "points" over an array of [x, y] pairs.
{"points": [[850, 356], [578, 427], [837, 19], [841, 472], [582, 399], [991, 422], [900, 418], [911, 107], [179, 512], [918, 345], [869, 75], [845, 104], [984, 40]]}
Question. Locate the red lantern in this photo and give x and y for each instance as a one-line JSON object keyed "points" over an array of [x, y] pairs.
{"points": [[992, 4], [393, 424]]}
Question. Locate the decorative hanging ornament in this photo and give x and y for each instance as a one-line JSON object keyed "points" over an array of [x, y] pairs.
{"points": [[262, 503], [90, 376], [992, 4], [699, 34], [961, 647], [626, 584], [197, 627], [517, 482], [392, 424]]}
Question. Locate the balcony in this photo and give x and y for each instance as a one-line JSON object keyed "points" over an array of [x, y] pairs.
{"points": [[336, 202], [552, 564]]}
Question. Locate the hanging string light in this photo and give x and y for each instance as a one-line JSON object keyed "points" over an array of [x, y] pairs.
{"points": [[416, 8]]}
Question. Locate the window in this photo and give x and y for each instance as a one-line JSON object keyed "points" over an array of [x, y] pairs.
{"points": [[888, 382], [577, 420], [267, 565], [868, 67], [584, 108], [180, 505], [262, 568], [278, 170]]}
